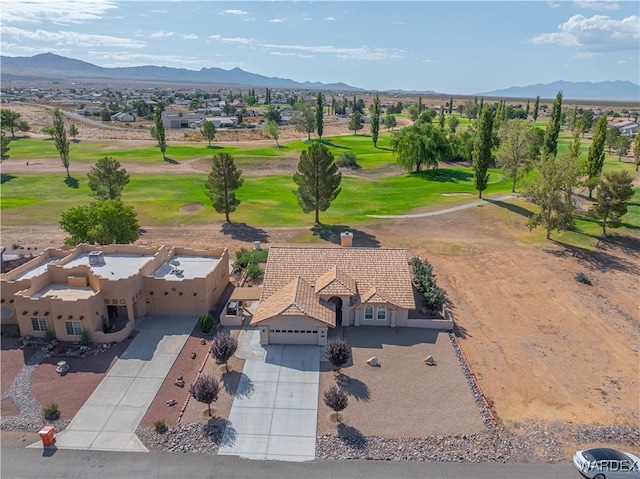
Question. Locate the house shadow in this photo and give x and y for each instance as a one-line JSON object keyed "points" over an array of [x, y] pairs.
{"points": [[375, 337], [244, 232], [352, 437], [220, 431], [98, 364], [6, 177], [511, 207], [72, 182], [331, 234]]}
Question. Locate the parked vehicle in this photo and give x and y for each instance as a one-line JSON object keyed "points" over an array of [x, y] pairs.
{"points": [[606, 463]]}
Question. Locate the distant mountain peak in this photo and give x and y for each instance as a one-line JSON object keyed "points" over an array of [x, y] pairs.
{"points": [[617, 90]]}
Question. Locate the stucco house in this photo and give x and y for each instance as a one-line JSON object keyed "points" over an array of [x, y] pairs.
{"points": [[308, 290], [102, 290]]}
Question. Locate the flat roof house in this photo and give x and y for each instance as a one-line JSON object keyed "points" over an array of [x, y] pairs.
{"points": [[308, 290], [102, 290]]}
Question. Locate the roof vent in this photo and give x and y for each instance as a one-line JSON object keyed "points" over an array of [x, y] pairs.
{"points": [[175, 262], [96, 257]]}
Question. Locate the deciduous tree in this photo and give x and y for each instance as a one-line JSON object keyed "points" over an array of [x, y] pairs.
{"points": [[307, 121], [335, 399], [223, 347], [636, 150], [106, 179], [390, 122], [73, 132], [159, 133], [419, 144], [337, 351], [205, 390], [623, 144], [482, 150], [613, 194], [453, 123], [318, 180], [60, 139], [11, 121], [208, 130], [355, 122], [272, 130], [222, 182], [375, 120], [516, 144], [595, 159], [613, 134], [101, 222]]}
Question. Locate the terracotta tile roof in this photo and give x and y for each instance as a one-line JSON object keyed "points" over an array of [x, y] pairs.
{"points": [[296, 298], [385, 269], [336, 283], [373, 296]]}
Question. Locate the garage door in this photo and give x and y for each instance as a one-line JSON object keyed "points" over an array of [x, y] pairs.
{"points": [[293, 336], [169, 307]]}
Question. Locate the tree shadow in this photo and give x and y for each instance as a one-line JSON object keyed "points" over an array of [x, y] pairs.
{"points": [[71, 182], [511, 207], [444, 175], [6, 177], [215, 147], [356, 388], [237, 384], [171, 161], [331, 233], [220, 431], [328, 143], [601, 259], [352, 437], [244, 232]]}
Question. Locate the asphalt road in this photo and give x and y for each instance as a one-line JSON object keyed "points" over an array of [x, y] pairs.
{"points": [[18, 462]]}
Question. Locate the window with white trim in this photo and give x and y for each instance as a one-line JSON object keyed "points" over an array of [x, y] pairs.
{"points": [[74, 328], [368, 312], [39, 324], [382, 313]]}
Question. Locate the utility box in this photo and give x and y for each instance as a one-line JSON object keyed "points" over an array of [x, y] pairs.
{"points": [[47, 435], [96, 257]]}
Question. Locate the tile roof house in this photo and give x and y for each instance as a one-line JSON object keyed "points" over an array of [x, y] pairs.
{"points": [[306, 291]]}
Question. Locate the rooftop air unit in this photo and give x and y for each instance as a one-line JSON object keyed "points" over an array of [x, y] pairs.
{"points": [[96, 257]]}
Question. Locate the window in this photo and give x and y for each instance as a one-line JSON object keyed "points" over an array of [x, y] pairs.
{"points": [[39, 324], [74, 328], [368, 312], [382, 313]]}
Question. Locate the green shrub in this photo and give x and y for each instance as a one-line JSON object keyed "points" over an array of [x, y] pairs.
{"points": [[49, 335], [51, 412], [425, 280], [206, 323], [582, 278], [160, 426], [347, 160], [253, 271], [245, 257], [84, 339]]}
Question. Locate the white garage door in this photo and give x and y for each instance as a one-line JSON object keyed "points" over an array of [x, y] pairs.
{"points": [[293, 336], [169, 307]]}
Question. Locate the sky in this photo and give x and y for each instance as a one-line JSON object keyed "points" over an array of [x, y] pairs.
{"points": [[453, 46]]}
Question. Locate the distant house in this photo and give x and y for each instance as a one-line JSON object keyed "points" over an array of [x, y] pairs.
{"points": [[627, 127], [124, 117]]}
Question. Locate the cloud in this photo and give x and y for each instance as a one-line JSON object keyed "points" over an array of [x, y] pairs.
{"points": [[60, 12], [593, 5], [70, 38], [13, 49], [290, 54], [125, 59], [358, 53], [241, 40], [328, 19], [185, 36], [235, 12], [554, 4], [276, 20], [599, 33]]}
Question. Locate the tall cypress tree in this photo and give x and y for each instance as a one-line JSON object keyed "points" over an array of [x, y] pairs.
{"points": [[319, 115], [60, 139], [526, 110], [595, 159], [536, 109], [375, 120], [482, 150], [318, 180], [450, 105], [159, 132], [222, 182], [550, 145]]}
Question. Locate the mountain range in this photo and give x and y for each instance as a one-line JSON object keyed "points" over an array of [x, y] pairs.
{"points": [[47, 66]]}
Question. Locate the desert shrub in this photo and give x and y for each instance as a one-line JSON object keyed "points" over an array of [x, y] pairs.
{"points": [[49, 335], [223, 347], [245, 257], [336, 399], [337, 351], [206, 323], [51, 412], [205, 390], [582, 278], [160, 426], [85, 340], [347, 160], [425, 280]]}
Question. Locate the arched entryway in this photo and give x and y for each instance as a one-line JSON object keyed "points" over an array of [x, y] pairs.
{"points": [[337, 301]]}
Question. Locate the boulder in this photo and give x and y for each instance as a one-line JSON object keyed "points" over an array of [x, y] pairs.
{"points": [[429, 361], [372, 361]]}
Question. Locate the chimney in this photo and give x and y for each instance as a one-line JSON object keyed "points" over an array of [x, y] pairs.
{"points": [[256, 245], [346, 239]]}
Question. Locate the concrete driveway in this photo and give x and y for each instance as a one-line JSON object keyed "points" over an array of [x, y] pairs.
{"points": [[109, 418], [274, 413]]}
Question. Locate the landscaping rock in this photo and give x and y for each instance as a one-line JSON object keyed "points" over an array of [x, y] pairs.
{"points": [[429, 361], [171, 402], [372, 361]]}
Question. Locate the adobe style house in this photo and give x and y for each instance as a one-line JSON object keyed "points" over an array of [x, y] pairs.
{"points": [[102, 290], [308, 290]]}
